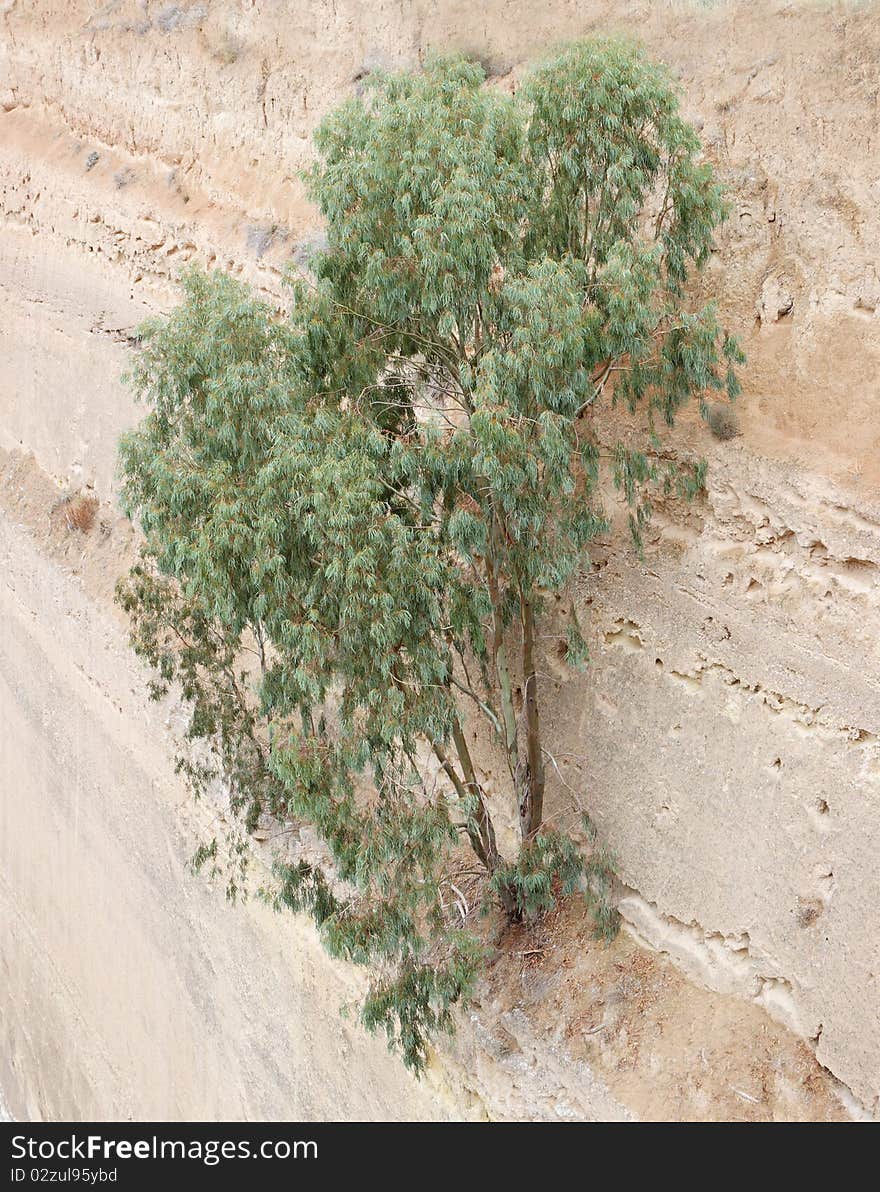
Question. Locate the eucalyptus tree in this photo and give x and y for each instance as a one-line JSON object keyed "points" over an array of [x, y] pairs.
{"points": [[377, 496]]}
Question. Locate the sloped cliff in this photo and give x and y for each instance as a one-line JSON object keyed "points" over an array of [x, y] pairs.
{"points": [[727, 736]]}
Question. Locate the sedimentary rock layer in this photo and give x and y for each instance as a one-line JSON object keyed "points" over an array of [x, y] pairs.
{"points": [[726, 736]]}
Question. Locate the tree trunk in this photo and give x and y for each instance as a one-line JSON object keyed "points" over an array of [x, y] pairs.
{"points": [[485, 827], [479, 827], [499, 655], [530, 779]]}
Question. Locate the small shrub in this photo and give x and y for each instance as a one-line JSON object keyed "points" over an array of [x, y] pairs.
{"points": [[723, 421], [92, 160], [80, 512]]}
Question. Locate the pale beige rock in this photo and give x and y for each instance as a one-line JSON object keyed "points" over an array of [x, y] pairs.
{"points": [[775, 301], [725, 739]]}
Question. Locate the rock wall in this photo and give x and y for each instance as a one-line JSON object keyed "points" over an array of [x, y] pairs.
{"points": [[727, 736]]}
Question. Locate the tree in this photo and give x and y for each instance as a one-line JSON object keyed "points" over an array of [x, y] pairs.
{"points": [[378, 494]]}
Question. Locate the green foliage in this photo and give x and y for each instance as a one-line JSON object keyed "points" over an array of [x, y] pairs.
{"points": [[418, 979], [416, 1002], [549, 864], [356, 514], [598, 883]]}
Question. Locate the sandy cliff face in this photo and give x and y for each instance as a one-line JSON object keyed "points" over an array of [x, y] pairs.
{"points": [[727, 737]]}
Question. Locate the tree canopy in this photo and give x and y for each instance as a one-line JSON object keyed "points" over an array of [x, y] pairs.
{"points": [[374, 496]]}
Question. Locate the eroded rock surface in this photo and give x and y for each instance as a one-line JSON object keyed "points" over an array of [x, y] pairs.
{"points": [[727, 736]]}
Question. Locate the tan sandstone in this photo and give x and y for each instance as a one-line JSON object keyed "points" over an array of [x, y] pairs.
{"points": [[726, 738]]}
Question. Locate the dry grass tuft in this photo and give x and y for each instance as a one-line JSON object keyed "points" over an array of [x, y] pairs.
{"points": [[723, 422], [80, 512]]}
